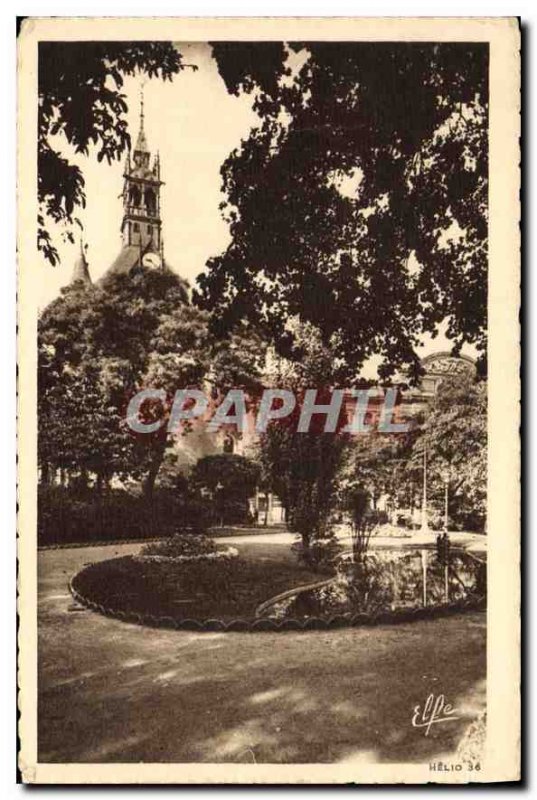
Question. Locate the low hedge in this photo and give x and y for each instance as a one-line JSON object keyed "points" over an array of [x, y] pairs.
{"points": [[65, 517]]}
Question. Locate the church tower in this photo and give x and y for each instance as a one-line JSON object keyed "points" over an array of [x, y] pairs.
{"points": [[141, 224]]}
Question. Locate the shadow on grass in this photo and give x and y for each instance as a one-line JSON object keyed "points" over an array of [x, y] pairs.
{"points": [[164, 696]]}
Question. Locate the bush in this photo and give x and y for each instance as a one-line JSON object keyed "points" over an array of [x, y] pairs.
{"points": [[233, 511], [226, 482], [65, 517], [320, 554], [407, 521], [179, 545], [379, 517]]}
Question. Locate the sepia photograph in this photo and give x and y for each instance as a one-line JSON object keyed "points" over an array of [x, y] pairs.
{"points": [[267, 456]]}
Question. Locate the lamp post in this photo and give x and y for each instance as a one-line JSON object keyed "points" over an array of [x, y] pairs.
{"points": [[445, 478], [424, 520], [394, 486]]}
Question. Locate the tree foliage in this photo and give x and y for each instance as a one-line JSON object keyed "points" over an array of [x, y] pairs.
{"points": [[454, 431], [99, 346], [359, 204], [80, 97], [456, 437], [228, 481], [377, 465]]}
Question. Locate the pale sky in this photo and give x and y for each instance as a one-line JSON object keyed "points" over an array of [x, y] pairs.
{"points": [[195, 124]]}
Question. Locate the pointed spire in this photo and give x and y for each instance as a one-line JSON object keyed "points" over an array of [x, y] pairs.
{"points": [[141, 143], [81, 269]]}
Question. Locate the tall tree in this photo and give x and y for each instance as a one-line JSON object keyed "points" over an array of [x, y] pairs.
{"points": [[455, 434], [303, 467], [359, 204], [377, 465], [100, 345], [80, 97]]}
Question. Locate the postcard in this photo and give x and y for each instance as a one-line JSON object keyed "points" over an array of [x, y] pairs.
{"points": [[269, 400]]}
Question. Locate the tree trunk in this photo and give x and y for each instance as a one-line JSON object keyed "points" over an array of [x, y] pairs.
{"points": [[45, 474], [151, 477], [149, 482]]}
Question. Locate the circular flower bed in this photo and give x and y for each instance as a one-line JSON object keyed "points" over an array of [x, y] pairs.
{"points": [[185, 547], [216, 585], [204, 592]]}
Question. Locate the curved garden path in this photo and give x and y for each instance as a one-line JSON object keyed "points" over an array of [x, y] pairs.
{"points": [[112, 692]]}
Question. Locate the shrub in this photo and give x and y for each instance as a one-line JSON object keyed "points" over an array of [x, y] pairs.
{"points": [[65, 517], [408, 521], [320, 554]]}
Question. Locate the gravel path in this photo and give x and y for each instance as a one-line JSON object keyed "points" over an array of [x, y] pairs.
{"points": [[114, 692]]}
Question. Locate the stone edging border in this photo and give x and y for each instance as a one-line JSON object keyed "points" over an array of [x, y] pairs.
{"points": [[271, 624]]}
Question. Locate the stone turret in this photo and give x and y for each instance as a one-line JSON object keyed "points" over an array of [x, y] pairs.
{"points": [[81, 269]]}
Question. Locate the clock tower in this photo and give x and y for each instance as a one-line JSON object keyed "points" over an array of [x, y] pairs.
{"points": [[141, 226]]}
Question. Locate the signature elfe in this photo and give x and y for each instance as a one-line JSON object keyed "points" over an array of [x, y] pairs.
{"points": [[434, 710]]}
